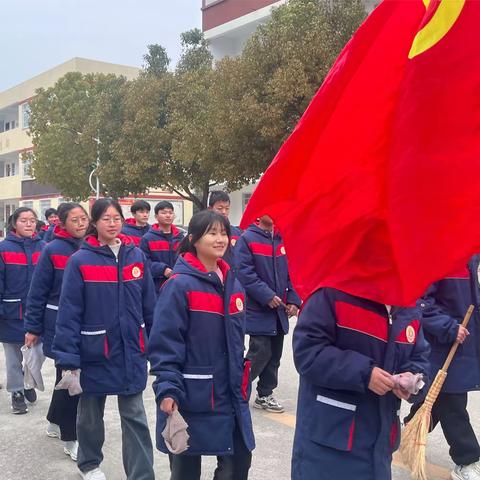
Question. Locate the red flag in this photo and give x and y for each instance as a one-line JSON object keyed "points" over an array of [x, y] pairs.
{"points": [[376, 190]]}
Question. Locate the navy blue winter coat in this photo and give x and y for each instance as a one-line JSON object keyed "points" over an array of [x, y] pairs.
{"points": [[444, 307], [343, 429], [48, 235], [229, 257], [44, 295], [132, 230], [43, 231], [160, 249], [104, 317], [196, 352], [263, 270], [18, 258]]}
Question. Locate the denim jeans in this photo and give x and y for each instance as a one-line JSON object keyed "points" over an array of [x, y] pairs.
{"points": [[137, 450]]}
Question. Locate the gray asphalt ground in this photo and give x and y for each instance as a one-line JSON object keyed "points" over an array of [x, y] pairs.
{"points": [[27, 454]]}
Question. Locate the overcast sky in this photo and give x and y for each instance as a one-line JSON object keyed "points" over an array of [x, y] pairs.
{"points": [[40, 34]]}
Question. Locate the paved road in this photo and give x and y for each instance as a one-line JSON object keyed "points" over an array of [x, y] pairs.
{"points": [[27, 454]]}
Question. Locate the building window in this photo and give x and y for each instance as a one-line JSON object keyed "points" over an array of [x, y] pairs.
{"points": [[27, 167], [44, 205], [26, 115], [28, 204], [10, 169], [245, 198]]}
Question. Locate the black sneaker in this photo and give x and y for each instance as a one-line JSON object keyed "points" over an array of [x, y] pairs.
{"points": [[269, 403], [30, 395], [19, 406]]}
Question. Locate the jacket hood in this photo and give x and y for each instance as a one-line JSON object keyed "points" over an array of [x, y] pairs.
{"points": [[188, 263], [13, 237], [91, 243], [60, 233], [156, 229]]}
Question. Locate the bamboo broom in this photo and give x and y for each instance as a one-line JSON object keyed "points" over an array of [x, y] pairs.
{"points": [[414, 437]]}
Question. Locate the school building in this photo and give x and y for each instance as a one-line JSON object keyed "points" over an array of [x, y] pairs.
{"points": [[17, 187], [227, 25]]}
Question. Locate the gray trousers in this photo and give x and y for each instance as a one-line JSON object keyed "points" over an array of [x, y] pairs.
{"points": [[137, 450], [13, 361]]}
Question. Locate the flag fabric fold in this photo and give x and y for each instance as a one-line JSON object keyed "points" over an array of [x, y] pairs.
{"points": [[379, 178]]}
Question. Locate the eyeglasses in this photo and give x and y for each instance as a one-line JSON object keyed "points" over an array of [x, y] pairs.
{"points": [[28, 221], [111, 219], [79, 220]]}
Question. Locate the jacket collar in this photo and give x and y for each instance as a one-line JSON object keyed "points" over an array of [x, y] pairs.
{"points": [[190, 264], [156, 229]]}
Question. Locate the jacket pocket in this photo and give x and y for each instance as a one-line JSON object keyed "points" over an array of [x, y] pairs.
{"points": [[12, 308], [246, 384], [94, 343], [333, 423], [199, 389]]}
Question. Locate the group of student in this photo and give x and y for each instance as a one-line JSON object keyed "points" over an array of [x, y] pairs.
{"points": [[105, 296]]}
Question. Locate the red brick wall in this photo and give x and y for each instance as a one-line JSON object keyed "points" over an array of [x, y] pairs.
{"points": [[227, 10]]}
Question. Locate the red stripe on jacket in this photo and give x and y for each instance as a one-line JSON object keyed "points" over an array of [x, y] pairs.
{"points": [[159, 245], [59, 261], [261, 249], [35, 257], [133, 271], [99, 273], [205, 302], [14, 258], [361, 320]]}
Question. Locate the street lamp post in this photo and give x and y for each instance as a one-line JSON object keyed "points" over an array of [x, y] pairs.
{"points": [[97, 165]]}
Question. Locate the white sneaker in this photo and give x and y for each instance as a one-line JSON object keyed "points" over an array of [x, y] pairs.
{"points": [[71, 449], [95, 474], [466, 472], [53, 431]]}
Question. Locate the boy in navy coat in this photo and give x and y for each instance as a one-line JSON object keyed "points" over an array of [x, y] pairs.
{"points": [[262, 268]]}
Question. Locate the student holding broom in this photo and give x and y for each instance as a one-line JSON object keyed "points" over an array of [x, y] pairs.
{"points": [[444, 306], [347, 350]]}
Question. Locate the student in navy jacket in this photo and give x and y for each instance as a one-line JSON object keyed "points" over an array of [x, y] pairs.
{"points": [[444, 307], [19, 254], [161, 242], [41, 314], [263, 270], [219, 202], [51, 215], [105, 313], [137, 226], [346, 349], [196, 352]]}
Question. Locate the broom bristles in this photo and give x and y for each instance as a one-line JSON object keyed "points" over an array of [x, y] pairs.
{"points": [[414, 442]]}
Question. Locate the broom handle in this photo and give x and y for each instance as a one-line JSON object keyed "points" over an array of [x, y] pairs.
{"points": [[453, 350]]}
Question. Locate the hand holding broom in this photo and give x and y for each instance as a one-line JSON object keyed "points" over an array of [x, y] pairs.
{"points": [[414, 436]]}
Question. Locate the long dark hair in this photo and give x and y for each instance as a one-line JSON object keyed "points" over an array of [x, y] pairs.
{"points": [[199, 225], [65, 208], [12, 220], [99, 208]]}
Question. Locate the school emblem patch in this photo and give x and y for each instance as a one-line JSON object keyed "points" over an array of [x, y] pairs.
{"points": [[239, 304], [283, 251], [136, 272], [233, 241], [411, 334]]}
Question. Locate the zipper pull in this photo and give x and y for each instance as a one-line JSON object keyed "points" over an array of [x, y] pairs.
{"points": [[390, 318]]}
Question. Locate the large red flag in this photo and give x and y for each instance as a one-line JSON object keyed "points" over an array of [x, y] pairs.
{"points": [[377, 190]]}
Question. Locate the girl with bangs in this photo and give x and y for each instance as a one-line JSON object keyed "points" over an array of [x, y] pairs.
{"points": [[41, 314], [196, 351]]}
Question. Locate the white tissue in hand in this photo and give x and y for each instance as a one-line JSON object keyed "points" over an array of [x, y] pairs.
{"points": [[70, 381]]}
